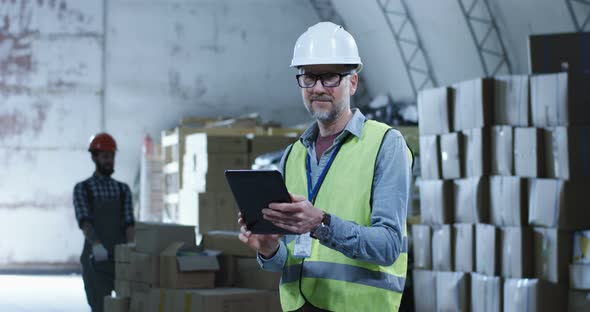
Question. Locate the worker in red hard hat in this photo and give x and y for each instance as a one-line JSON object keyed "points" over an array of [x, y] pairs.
{"points": [[104, 212]]}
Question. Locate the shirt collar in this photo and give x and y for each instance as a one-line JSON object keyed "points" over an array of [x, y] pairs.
{"points": [[354, 127]]}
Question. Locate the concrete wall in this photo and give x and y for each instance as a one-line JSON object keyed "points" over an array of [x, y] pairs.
{"points": [[65, 74]]}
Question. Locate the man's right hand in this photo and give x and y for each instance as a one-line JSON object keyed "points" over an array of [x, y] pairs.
{"points": [[99, 252], [266, 245]]}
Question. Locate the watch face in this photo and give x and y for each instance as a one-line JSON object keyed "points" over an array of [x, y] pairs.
{"points": [[322, 232]]}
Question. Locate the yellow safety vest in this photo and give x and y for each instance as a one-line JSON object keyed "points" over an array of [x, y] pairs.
{"points": [[328, 279]]}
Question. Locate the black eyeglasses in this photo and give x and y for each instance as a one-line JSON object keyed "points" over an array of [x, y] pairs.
{"points": [[329, 80]]}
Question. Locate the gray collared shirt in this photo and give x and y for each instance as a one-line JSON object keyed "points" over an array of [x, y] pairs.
{"points": [[382, 242]]}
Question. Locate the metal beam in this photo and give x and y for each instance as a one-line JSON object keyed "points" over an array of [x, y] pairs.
{"points": [[493, 60], [579, 25], [419, 74], [327, 13]]}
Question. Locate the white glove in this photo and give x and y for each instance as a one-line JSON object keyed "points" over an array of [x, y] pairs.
{"points": [[99, 252]]}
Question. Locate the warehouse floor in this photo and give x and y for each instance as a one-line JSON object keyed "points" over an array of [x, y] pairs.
{"points": [[33, 293]]}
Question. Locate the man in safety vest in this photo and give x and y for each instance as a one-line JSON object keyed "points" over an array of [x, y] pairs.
{"points": [[349, 180], [105, 215]]}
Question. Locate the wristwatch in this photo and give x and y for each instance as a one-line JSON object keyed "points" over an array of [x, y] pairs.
{"points": [[323, 231]]}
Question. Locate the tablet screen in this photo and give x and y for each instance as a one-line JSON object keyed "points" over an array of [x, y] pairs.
{"points": [[253, 191]]}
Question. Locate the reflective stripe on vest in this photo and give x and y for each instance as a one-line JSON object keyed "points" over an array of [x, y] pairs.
{"points": [[331, 280]]}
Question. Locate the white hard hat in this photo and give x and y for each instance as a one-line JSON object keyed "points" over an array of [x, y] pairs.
{"points": [[326, 43]]}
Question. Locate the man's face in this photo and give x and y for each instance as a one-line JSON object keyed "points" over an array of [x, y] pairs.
{"points": [[105, 163], [327, 103]]}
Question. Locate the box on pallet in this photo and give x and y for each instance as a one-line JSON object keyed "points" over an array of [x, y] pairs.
{"points": [[451, 145], [508, 201], [217, 212], [553, 254], [502, 150], [486, 293], [145, 268], [434, 110], [429, 157], [187, 267], [154, 237], [218, 299], [511, 100], [567, 152], [464, 248], [558, 203], [487, 249], [472, 200], [453, 291], [517, 252], [424, 283], [529, 151], [533, 295], [473, 104], [436, 202], [476, 159], [443, 240], [422, 247]]}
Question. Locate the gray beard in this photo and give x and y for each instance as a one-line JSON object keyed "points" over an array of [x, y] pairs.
{"points": [[329, 116]]}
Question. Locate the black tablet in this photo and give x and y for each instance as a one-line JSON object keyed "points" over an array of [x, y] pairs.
{"points": [[254, 190]]}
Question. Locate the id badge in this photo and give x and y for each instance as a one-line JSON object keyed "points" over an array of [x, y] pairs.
{"points": [[302, 246]]}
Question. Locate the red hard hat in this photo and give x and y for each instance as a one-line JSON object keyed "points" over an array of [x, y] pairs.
{"points": [[103, 142]]}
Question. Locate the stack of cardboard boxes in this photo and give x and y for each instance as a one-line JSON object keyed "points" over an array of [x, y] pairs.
{"points": [[165, 271], [504, 175], [151, 198]]}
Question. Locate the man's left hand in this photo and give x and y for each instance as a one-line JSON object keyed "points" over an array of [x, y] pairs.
{"points": [[299, 216]]}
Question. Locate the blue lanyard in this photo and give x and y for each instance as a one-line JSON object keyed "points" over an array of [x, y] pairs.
{"points": [[312, 192]]}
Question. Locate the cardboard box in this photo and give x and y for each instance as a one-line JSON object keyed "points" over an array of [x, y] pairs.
{"points": [[145, 268], [443, 240], [152, 238], [464, 248], [581, 247], [422, 247], [217, 212], [221, 299], [122, 252], [429, 161], [476, 160], [578, 301], [267, 144], [553, 254], [436, 202], [434, 110], [187, 267], [472, 200], [226, 276], [453, 291], [508, 201], [549, 53], [140, 287], [424, 282], [560, 100], [529, 152], [502, 150], [567, 152], [451, 145], [161, 300], [557, 203], [139, 302], [250, 275], [122, 288], [116, 304], [517, 252], [511, 100], [123, 271], [486, 293], [473, 104], [487, 249], [228, 243], [533, 295], [204, 143], [580, 276]]}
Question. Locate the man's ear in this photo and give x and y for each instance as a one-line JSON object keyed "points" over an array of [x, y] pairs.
{"points": [[354, 81]]}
